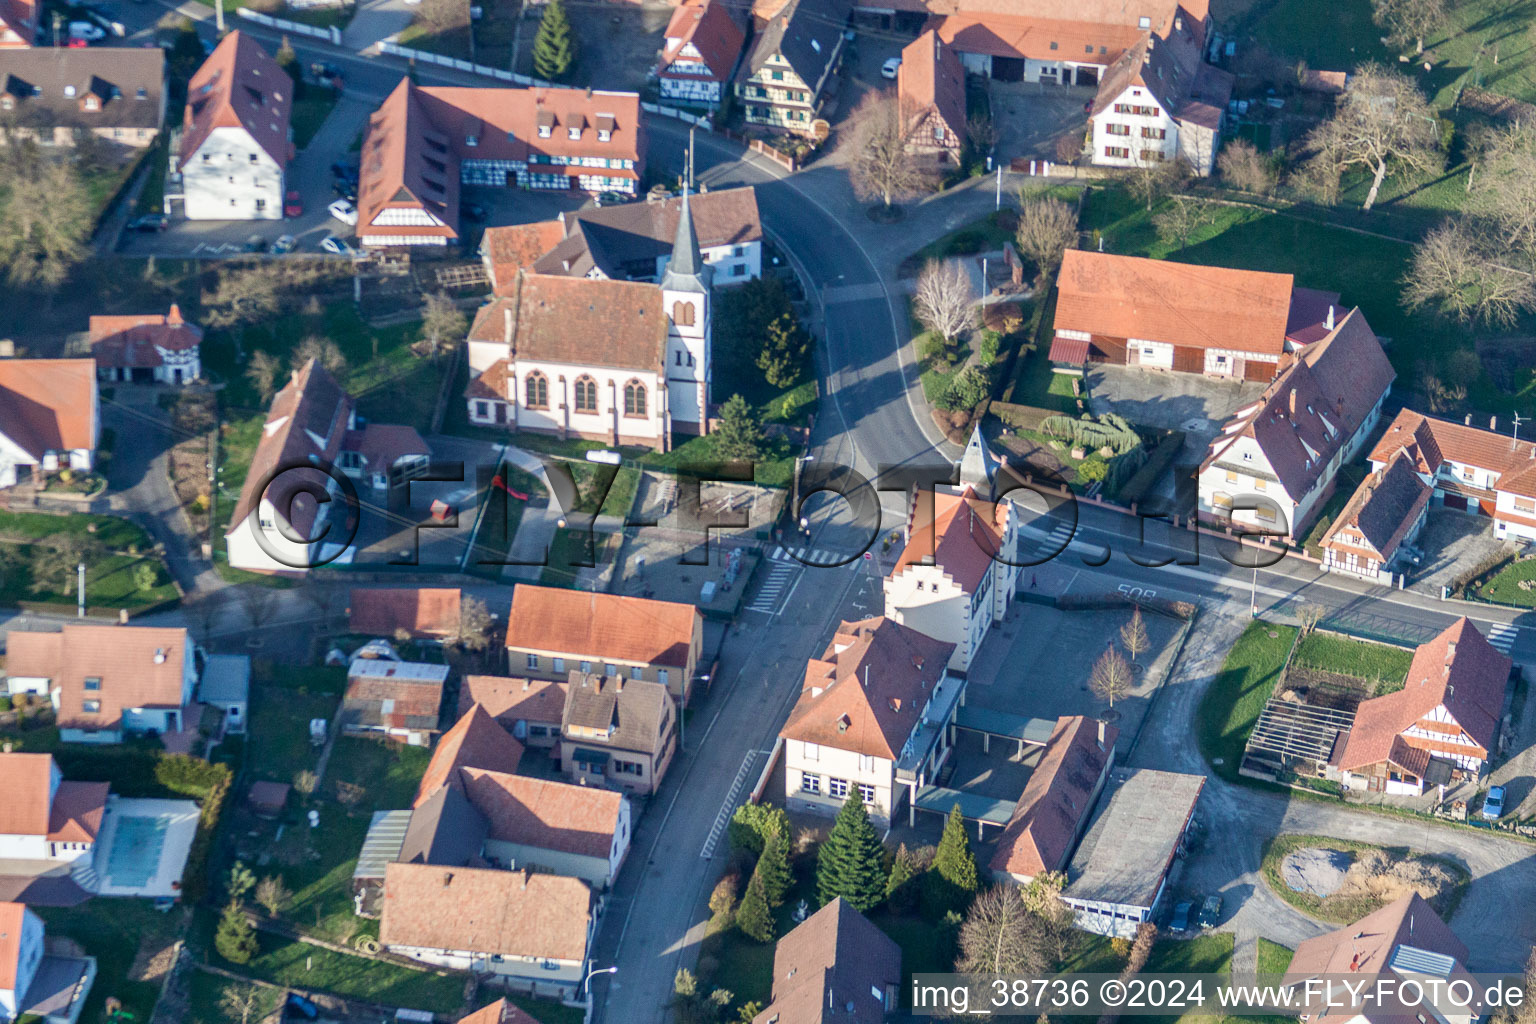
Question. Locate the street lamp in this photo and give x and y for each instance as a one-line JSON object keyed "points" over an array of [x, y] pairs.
{"points": [[587, 981]]}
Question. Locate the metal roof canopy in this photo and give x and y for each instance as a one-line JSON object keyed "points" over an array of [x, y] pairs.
{"points": [[386, 835], [1034, 731], [973, 806], [1306, 731]]}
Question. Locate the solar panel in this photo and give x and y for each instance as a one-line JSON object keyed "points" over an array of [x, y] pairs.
{"points": [[1413, 960]]}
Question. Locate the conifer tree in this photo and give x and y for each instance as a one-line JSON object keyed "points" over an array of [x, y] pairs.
{"points": [[554, 48], [952, 880], [773, 868], [236, 938], [851, 863], [738, 435], [784, 349], [753, 917]]}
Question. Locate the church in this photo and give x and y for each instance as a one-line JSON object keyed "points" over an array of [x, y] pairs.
{"points": [[621, 362]]}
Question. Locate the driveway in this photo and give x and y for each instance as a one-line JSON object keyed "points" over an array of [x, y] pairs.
{"points": [[1030, 118], [1453, 542]]}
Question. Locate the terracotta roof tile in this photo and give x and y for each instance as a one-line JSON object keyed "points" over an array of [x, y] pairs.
{"points": [[499, 1012], [1012, 35], [1383, 508], [969, 532], [28, 792], [932, 79], [18, 24], [511, 913], [833, 960], [868, 688], [1057, 800], [13, 918], [376, 698], [136, 342], [420, 611], [37, 80], [625, 241], [77, 811], [509, 700], [132, 667], [542, 813], [1366, 946], [49, 404], [381, 445], [638, 712], [1431, 442], [579, 321], [475, 741], [518, 247], [714, 29], [601, 627], [239, 86]]}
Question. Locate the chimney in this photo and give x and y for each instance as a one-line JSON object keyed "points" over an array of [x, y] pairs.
{"points": [[1493, 423], [1467, 419], [173, 318], [618, 684], [1329, 322], [1450, 651], [1354, 962]]}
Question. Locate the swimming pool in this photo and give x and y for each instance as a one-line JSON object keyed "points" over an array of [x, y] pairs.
{"points": [[136, 847]]}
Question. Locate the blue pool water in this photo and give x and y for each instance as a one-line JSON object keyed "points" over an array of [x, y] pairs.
{"points": [[136, 850]]}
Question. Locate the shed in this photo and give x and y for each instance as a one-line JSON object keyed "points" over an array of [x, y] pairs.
{"points": [[226, 685], [268, 798]]}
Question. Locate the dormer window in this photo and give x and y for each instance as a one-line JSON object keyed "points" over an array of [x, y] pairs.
{"points": [[92, 683], [573, 132], [69, 92], [471, 140], [7, 103], [92, 103], [604, 135], [142, 94], [1143, 22], [544, 131]]}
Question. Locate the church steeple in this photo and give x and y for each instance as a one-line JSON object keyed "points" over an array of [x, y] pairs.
{"points": [[686, 271]]}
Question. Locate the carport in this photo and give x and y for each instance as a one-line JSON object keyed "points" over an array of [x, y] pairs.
{"points": [[983, 810], [989, 722]]}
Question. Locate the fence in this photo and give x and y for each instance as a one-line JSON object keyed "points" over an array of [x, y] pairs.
{"points": [[702, 120], [427, 57], [306, 5], [331, 35]]}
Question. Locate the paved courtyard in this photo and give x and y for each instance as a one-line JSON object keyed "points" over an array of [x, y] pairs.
{"points": [[1453, 542], [1031, 117]]}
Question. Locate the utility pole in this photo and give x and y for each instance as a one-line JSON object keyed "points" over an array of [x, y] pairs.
{"points": [[691, 130], [1514, 440], [999, 204]]}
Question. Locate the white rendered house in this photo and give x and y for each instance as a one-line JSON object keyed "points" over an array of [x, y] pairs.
{"points": [[21, 952], [50, 418], [235, 137]]}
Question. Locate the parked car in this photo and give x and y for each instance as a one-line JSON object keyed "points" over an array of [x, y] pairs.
{"points": [[474, 212], [890, 67], [293, 204], [337, 247], [1179, 922], [1493, 803], [255, 244], [1210, 912], [149, 222], [344, 211], [344, 170], [613, 199], [298, 1006], [86, 30], [284, 243]]}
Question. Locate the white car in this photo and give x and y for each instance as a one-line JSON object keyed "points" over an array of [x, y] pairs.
{"points": [[888, 69], [344, 211], [337, 247], [284, 243], [87, 31]]}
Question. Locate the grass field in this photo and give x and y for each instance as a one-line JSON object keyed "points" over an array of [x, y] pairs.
{"points": [[1504, 588], [111, 581], [1273, 957], [1235, 697], [1343, 908], [114, 938], [1359, 658], [310, 112], [1349, 478]]}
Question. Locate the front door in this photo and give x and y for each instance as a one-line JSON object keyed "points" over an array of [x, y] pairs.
{"points": [[501, 413]]}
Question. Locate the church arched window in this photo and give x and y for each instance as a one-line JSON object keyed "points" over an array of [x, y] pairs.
{"points": [[634, 399], [586, 394]]}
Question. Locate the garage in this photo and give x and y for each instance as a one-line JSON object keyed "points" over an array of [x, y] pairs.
{"points": [[1008, 69], [1456, 502]]}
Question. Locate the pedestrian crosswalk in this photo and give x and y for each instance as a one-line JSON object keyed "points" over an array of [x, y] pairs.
{"points": [[1503, 636], [781, 575], [806, 555]]}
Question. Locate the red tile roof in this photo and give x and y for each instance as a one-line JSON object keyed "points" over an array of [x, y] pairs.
{"points": [[1169, 64], [475, 741], [866, 691], [136, 342], [969, 534], [1012, 35], [1309, 315], [499, 1012], [601, 627], [1177, 303], [578, 321], [48, 405], [510, 913], [239, 86], [834, 966], [19, 17], [137, 667], [1383, 509], [28, 791], [625, 240], [518, 247], [77, 812], [932, 79], [420, 611], [1431, 442], [392, 702], [1057, 800], [1365, 947], [1458, 669], [549, 815], [509, 700], [713, 29], [13, 917]]}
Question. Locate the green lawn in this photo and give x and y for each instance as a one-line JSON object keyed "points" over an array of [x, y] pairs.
{"points": [[114, 937], [310, 112], [571, 551], [305, 966], [205, 991], [282, 703], [1273, 957], [1233, 700], [1362, 659], [388, 773], [110, 531], [111, 581], [1504, 587], [1343, 908]]}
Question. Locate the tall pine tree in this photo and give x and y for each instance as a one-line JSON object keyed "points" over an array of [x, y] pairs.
{"points": [[851, 863], [554, 48], [773, 868], [738, 435], [785, 346], [236, 937], [754, 917], [952, 880]]}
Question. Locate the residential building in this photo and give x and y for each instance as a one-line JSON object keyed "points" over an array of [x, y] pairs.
{"points": [[398, 700], [1404, 940], [635, 241], [1470, 469], [930, 88], [475, 741], [618, 732], [1161, 315], [1161, 101], [529, 709], [1116, 879], [50, 417], [552, 631], [37, 986], [873, 717], [153, 348], [790, 67], [424, 142], [834, 966], [422, 613], [235, 141], [18, 23], [614, 361], [700, 52], [1381, 520], [312, 421], [226, 685], [1053, 42], [44, 817], [1053, 811], [1274, 464], [507, 249], [1443, 725], [525, 930], [499, 1012], [955, 578], [107, 682], [52, 94]]}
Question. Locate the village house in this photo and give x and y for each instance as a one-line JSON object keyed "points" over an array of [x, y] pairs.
{"points": [[1054, 42], [1404, 939], [1161, 315], [235, 144], [35, 985], [509, 248], [108, 682], [398, 700], [617, 732], [1274, 464], [529, 709], [312, 420], [930, 90], [1381, 520], [1441, 727], [50, 417], [474, 741], [873, 717], [226, 686], [1118, 875], [18, 23], [499, 1012], [424, 142], [1471, 470], [153, 348], [790, 68], [1058, 799], [419, 613], [54, 93], [700, 51], [524, 930], [552, 631], [44, 817], [834, 966]]}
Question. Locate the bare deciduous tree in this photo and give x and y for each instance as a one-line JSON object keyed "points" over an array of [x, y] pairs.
{"points": [[1382, 123], [1243, 167], [945, 300], [305, 782], [982, 134], [1506, 190], [1000, 936], [322, 349], [1134, 635], [1047, 228], [272, 895], [1458, 269], [259, 602], [1068, 148], [1151, 180], [883, 167], [45, 218], [1111, 677], [475, 625], [1178, 220], [1309, 615], [240, 1002], [245, 293], [262, 370], [443, 323], [1056, 920], [1407, 20], [439, 17]]}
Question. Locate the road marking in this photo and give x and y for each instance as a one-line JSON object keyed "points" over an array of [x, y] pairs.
{"points": [[1503, 636], [728, 808], [768, 594], [852, 293]]}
